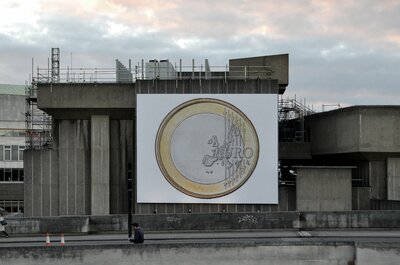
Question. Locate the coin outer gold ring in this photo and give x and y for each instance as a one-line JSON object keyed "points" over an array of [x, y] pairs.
{"points": [[163, 145]]}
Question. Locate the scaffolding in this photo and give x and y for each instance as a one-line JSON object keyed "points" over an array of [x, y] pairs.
{"points": [[55, 65], [38, 133], [291, 120]]}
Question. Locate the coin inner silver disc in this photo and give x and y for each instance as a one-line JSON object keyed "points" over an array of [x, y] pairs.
{"points": [[191, 148]]}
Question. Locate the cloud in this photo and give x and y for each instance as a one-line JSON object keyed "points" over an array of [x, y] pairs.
{"points": [[340, 51]]}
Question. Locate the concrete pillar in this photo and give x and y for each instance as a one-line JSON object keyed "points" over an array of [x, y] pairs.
{"points": [[28, 183], [361, 198], [393, 178], [100, 165], [378, 179]]}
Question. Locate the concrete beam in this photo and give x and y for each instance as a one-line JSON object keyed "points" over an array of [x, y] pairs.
{"points": [[365, 129], [95, 97]]}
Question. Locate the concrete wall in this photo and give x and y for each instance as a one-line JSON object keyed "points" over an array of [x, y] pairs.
{"points": [[57, 180], [379, 129], [375, 253], [323, 189], [393, 178], [12, 109], [355, 129], [279, 64], [208, 222], [334, 132], [12, 191], [206, 253], [41, 185], [65, 170]]}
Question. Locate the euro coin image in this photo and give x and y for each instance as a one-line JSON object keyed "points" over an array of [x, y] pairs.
{"points": [[206, 148]]}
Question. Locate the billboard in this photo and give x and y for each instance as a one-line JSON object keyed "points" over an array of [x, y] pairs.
{"points": [[207, 148]]}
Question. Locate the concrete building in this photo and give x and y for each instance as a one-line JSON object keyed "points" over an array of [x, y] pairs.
{"points": [[354, 153], [368, 138], [12, 144]]}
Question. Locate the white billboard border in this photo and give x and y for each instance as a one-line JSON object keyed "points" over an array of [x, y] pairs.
{"points": [[175, 196]]}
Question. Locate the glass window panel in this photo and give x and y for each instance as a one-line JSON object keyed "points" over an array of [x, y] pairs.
{"points": [[7, 152], [21, 153], [1, 153], [14, 151], [1, 174], [7, 174], [15, 174], [21, 175]]}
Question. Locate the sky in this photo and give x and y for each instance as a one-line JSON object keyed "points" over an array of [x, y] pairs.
{"points": [[340, 52]]}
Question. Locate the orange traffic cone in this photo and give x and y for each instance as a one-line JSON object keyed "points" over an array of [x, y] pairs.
{"points": [[48, 239], [62, 240]]}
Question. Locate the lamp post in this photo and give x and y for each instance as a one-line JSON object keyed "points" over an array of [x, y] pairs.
{"points": [[129, 200]]}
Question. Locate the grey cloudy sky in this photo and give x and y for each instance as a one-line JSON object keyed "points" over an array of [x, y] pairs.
{"points": [[342, 51]]}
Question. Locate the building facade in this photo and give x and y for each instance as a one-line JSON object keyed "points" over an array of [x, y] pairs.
{"points": [[348, 158], [12, 145]]}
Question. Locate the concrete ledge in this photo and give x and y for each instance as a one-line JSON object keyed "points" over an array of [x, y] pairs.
{"points": [[375, 253], [60, 224], [209, 222], [208, 253]]}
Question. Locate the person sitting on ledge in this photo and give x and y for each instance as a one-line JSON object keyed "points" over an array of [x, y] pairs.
{"points": [[138, 236], [3, 225]]}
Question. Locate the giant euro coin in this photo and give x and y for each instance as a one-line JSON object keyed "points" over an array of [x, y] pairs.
{"points": [[207, 148]]}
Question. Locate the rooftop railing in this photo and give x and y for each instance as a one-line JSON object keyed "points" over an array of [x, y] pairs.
{"points": [[155, 71]]}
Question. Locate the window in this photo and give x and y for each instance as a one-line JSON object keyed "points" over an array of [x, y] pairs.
{"points": [[21, 175], [14, 152], [7, 175], [12, 206], [11, 174], [7, 152], [12, 133], [21, 152], [14, 174]]}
